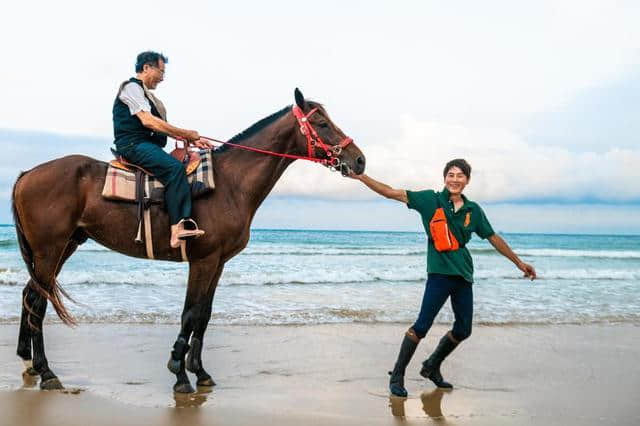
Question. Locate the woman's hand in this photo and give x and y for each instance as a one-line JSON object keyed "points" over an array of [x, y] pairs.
{"points": [[529, 271], [381, 188], [353, 175]]}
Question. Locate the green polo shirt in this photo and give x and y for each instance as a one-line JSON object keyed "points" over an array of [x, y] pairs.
{"points": [[469, 218]]}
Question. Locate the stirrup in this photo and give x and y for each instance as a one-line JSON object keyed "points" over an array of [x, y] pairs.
{"points": [[190, 230]]}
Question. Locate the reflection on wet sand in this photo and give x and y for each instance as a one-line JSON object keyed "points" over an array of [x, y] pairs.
{"points": [[432, 403], [29, 378], [196, 399], [401, 408], [397, 406]]}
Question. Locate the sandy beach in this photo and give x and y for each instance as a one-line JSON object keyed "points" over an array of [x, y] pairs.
{"points": [[329, 374]]}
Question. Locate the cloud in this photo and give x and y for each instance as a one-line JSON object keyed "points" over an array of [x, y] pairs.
{"points": [[293, 213], [472, 62], [506, 168], [23, 150], [601, 116]]}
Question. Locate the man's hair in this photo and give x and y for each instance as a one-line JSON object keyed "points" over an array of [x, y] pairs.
{"points": [[149, 58], [459, 163]]}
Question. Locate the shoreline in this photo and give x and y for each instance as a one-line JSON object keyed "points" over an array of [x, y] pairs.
{"points": [[82, 322], [331, 374]]}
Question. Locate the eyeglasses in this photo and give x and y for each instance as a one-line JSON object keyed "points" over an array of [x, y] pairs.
{"points": [[161, 71]]}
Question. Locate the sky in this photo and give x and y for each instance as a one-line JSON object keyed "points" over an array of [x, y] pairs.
{"points": [[542, 98]]}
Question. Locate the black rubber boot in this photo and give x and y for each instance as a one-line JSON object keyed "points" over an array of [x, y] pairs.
{"points": [[431, 366], [407, 349]]}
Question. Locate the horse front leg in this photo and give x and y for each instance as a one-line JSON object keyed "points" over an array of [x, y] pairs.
{"points": [[201, 274], [194, 359], [176, 362]]}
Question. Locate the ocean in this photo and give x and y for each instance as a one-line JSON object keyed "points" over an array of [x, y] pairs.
{"points": [[312, 277]]}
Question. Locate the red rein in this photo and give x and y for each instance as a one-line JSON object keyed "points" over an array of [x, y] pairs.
{"points": [[313, 141]]}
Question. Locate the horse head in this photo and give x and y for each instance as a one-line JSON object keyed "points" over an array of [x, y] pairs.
{"points": [[321, 138]]}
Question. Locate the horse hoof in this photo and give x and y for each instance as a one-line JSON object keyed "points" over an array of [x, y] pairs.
{"points": [[183, 388], [173, 366], [208, 382], [51, 384], [31, 371]]}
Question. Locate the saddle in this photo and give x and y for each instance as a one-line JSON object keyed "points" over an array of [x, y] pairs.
{"points": [[129, 182], [190, 160]]}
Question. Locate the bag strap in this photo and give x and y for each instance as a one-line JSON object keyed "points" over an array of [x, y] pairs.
{"points": [[447, 215]]}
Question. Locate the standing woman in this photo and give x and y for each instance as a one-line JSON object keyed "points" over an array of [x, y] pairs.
{"points": [[449, 218]]}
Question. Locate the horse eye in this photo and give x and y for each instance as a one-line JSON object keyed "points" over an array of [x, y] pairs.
{"points": [[324, 125]]}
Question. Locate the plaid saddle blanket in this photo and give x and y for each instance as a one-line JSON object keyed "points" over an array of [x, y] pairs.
{"points": [[120, 184]]}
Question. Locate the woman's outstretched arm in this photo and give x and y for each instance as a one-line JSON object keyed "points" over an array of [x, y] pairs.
{"points": [[382, 188], [504, 249]]}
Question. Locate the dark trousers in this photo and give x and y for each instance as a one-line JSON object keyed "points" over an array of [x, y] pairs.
{"points": [[169, 171], [439, 288]]}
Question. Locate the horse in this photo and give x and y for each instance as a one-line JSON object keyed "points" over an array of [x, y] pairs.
{"points": [[58, 205]]}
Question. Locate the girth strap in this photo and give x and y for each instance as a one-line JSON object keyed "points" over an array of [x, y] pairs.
{"points": [[144, 204], [144, 213], [148, 238], [140, 202]]}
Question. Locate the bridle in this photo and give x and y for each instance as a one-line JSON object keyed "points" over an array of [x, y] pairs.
{"points": [[313, 141]]}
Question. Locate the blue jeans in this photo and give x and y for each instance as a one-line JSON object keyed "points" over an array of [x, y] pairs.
{"points": [[439, 288]]}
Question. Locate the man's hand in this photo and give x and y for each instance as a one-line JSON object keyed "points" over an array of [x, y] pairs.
{"points": [[191, 136], [202, 144], [529, 271]]}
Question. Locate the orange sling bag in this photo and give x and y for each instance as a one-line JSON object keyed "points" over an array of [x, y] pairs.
{"points": [[443, 238]]}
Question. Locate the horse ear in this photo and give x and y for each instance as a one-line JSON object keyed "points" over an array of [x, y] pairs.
{"points": [[300, 99]]}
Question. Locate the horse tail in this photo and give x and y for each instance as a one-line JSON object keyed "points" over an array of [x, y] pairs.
{"points": [[52, 293]]}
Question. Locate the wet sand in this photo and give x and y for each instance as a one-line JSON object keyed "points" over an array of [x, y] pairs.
{"points": [[329, 375]]}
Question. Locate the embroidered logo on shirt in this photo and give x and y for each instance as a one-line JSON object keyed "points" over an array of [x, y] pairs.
{"points": [[467, 219]]}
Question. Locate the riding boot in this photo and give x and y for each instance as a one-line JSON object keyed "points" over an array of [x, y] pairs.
{"points": [[407, 349], [431, 366]]}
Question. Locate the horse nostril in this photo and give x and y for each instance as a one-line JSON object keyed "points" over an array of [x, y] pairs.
{"points": [[359, 165]]}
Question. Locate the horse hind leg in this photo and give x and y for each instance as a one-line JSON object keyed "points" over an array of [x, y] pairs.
{"points": [[38, 306], [29, 375], [24, 337], [34, 307]]}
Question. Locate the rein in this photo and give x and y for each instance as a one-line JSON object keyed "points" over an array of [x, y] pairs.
{"points": [[313, 140]]}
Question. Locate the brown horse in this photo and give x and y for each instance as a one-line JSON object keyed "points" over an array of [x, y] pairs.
{"points": [[58, 205]]}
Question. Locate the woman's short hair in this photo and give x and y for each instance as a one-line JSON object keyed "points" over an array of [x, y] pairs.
{"points": [[459, 163], [149, 58]]}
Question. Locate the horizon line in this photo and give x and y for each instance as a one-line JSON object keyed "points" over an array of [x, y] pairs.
{"points": [[422, 232]]}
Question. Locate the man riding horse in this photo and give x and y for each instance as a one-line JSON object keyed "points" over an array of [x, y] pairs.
{"points": [[140, 129], [58, 205]]}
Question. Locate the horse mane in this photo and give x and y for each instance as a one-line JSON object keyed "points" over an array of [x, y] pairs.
{"points": [[253, 129]]}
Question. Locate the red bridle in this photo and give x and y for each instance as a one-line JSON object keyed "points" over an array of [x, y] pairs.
{"points": [[313, 140]]}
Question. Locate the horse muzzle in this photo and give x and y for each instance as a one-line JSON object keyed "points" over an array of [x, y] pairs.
{"points": [[357, 167]]}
